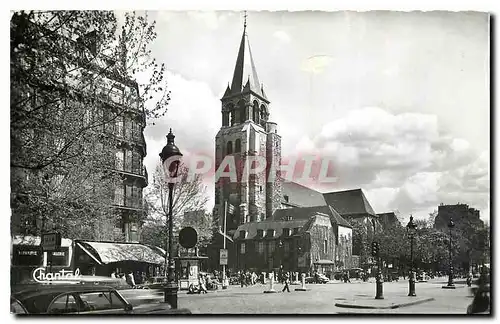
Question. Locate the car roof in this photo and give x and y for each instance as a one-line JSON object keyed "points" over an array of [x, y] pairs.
{"points": [[55, 289]]}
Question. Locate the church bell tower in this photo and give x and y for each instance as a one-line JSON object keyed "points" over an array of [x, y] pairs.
{"points": [[246, 131]]}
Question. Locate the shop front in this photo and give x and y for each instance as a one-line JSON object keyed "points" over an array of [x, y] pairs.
{"points": [[105, 258]]}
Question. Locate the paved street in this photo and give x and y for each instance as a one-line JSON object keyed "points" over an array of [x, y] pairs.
{"points": [[321, 298]]}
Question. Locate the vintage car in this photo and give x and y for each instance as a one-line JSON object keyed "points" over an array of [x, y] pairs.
{"points": [[81, 299], [321, 279]]}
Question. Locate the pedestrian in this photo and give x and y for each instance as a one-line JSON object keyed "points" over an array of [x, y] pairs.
{"points": [[286, 281], [113, 274], [242, 279], [130, 279], [201, 283]]}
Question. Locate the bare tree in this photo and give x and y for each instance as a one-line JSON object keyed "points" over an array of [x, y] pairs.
{"points": [[188, 196]]}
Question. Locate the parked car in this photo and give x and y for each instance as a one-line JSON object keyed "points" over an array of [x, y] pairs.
{"points": [[81, 299], [321, 279], [155, 283], [481, 303]]}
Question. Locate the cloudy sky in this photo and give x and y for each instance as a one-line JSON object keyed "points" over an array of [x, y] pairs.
{"points": [[399, 99]]}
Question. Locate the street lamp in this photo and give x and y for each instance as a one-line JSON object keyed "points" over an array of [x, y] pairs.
{"points": [[170, 159], [450, 273], [411, 229]]}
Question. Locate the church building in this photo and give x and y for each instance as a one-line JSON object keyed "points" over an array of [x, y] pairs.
{"points": [[272, 223]]}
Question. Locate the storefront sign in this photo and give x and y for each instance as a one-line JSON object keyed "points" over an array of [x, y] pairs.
{"points": [[39, 275]]}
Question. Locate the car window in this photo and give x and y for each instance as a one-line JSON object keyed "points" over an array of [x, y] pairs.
{"points": [[101, 300], [17, 308], [63, 304]]}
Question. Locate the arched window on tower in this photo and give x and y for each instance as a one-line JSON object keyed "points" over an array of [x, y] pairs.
{"points": [[229, 149], [237, 146], [255, 116], [373, 224], [242, 111], [263, 115], [233, 117]]}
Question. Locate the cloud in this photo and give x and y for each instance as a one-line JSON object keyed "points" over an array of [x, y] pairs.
{"points": [[282, 36], [404, 161], [316, 64]]}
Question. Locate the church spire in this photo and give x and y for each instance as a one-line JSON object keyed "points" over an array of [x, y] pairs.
{"points": [[245, 67]]}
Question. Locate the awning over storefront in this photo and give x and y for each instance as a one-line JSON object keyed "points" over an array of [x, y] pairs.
{"points": [[109, 252]]}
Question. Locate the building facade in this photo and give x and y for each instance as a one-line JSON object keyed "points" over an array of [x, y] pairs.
{"points": [[116, 109]]}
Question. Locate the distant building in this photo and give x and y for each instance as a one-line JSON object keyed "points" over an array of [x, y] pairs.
{"points": [[388, 220], [463, 216]]}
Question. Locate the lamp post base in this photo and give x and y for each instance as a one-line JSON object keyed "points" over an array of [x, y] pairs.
{"points": [[379, 292], [170, 294], [412, 293]]}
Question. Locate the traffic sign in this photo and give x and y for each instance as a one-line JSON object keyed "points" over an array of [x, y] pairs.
{"points": [[223, 256], [51, 241]]}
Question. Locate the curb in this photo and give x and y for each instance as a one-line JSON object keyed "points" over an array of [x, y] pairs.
{"points": [[345, 305]]}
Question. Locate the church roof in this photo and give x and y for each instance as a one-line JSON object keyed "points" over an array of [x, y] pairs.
{"points": [[301, 195], [297, 213], [349, 202], [245, 75]]}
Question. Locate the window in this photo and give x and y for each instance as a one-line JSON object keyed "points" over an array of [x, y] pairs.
{"points": [[271, 246], [286, 232], [128, 129], [229, 148], [260, 188], [119, 160], [237, 146], [286, 198], [63, 305], [242, 234], [270, 233], [260, 247], [119, 195], [128, 161], [286, 247], [242, 248], [119, 126], [101, 301], [325, 246], [260, 233]]}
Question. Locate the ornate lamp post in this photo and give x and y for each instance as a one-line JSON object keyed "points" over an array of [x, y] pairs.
{"points": [[170, 159], [411, 230], [450, 273]]}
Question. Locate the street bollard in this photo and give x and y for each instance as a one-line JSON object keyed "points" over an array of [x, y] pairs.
{"points": [[303, 288], [296, 276], [264, 278], [271, 284], [379, 294]]}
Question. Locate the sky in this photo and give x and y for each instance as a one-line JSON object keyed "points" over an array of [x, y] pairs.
{"points": [[399, 99]]}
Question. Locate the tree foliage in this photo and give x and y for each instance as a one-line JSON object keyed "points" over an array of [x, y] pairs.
{"points": [[73, 76]]}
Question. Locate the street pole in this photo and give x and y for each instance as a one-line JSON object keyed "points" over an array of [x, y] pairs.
{"points": [[450, 273], [411, 274], [224, 283], [171, 288], [380, 282], [170, 169]]}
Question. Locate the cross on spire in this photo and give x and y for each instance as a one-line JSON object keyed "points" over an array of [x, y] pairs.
{"points": [[245, 23]]}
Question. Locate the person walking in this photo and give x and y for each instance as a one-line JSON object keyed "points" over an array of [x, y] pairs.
{"points": [[286, 282], [201, 283]]}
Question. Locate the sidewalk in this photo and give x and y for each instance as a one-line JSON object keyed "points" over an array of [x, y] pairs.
{"points": [[387, 303]]}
